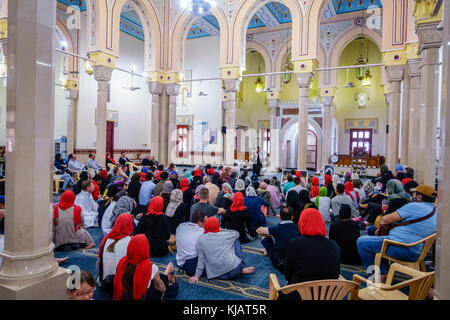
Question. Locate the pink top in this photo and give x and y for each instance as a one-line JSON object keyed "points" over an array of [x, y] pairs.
{"points": [[274, 195]]}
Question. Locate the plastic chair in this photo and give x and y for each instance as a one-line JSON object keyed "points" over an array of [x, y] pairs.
{"points": [[419, 264], [419, 286], [313, 290]]}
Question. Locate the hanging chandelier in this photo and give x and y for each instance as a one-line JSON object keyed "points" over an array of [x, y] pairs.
{"points": [[362, 61], [198, 7]]}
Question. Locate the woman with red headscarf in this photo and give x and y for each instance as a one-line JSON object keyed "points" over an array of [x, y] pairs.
{"points": [[311, 256], [220, 253], [156, 228], [329, 184], [349, 190], [68, 225], [112, 249], [314, 187], [137, 278], [238, 218], [109, 160]]}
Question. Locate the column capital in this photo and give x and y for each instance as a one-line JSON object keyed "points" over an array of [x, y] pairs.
{"points": [[71, 94], [102, 73], [304, 80], [395, 73], [231, 84], [426, 11], [413, 68], [3, 28], [155, 88], [72, 85], [273, 103], [327, 101], [429, 36], [173, 89]]}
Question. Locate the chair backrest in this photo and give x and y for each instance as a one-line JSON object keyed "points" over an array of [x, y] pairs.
{"points": [[420, 282], [322, 289], [427, 243]]}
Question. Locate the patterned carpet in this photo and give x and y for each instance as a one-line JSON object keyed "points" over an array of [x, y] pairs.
{"points": [[246, 287]]}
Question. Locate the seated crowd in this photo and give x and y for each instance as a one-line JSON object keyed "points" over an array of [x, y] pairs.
{"points": [[205, 215]]}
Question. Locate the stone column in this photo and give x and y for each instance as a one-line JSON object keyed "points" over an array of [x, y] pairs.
{"points": [[395, 78], [163, 126], [304, 82], [414, 115], [155, 89], [327, 102], [72, 99], [430, 40], [231, 87], [103, 75], [442, 280], [173, 90], [29, 269], [404, 134], [274, 105]]}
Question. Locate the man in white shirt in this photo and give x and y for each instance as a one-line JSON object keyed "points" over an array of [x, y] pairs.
{"points": [[74, 164], [187, 234], [92, 164], [298, 186], [88, 205]]}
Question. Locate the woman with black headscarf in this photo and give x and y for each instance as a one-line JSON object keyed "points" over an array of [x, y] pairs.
{"points": [[293, 201], [111, 191], [305, 201]]}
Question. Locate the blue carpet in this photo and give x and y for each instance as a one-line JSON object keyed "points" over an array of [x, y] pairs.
{"points": [[245, 287]]}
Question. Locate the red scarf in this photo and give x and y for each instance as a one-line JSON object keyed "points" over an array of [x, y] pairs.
{"points": [[298, 174], [348, 188], [184, 184], [314, 187], [212, 225], [198, 173], [123, 227], [67, 201], [238, 202], [110, 159], [143, 177], [210, 171], [104, 173], [406, 180], [156, 205], [137, 253], [328, 179], [311, 223], [96, 192]]}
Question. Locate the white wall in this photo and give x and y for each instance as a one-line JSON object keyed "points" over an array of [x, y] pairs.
{"points": [[202, 57], [134, 108], [3, 111]]}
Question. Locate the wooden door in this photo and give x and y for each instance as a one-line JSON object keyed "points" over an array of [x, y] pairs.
{"points": [[110, 137]]}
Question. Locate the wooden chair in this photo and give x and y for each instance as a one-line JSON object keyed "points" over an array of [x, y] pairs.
{"points": [[131, 166], [419, 264], [313, 290], [76, 176], [56, 183], [419, 285]]}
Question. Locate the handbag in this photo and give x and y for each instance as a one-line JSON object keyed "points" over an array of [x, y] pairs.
{"points": [[384, 229]]}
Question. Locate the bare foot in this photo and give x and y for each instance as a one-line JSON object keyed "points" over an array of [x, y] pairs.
{"points": [[264, 252], [248, 270], [61, 260], [169, 268], [89, 246]]}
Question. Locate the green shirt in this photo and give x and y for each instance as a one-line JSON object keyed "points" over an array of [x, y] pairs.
{"points": [[287, 186]]}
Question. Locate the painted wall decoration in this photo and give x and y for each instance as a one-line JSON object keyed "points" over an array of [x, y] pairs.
{"points": [[110, 116], [212, 136], [185, 120]]}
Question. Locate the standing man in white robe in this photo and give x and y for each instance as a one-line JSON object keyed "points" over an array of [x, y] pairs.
{"points": [[88, 205]]}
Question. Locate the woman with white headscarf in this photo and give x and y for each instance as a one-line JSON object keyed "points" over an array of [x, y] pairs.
{"points": [[176, 210], [240, 186]]}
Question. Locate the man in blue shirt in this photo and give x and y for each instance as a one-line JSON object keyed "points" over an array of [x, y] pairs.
{"points": [[276, 239], [146, 193], [424, 197], [92, 163]]}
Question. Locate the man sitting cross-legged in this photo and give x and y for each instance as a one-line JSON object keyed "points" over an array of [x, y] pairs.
{"points": [[276, 239]]}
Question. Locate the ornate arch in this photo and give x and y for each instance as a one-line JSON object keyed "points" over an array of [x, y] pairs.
{"points": [[329, 78], [64, 33], [178, 35], [150, 25], [246, 11], [269, 64]]}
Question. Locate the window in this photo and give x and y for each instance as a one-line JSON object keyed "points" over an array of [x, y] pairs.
{"points": [[361, 139], [265, 141], [182, 141]]}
